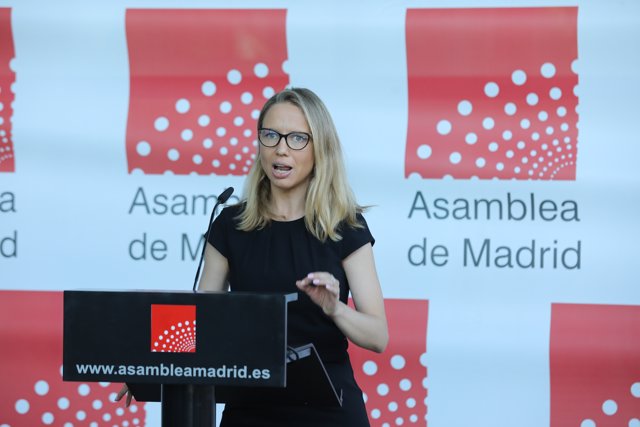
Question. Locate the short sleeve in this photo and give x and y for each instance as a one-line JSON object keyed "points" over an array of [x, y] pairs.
{"points": [[353, 238]]}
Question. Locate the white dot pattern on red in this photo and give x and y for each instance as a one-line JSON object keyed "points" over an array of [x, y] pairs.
{"points": [[487, 76], [592, 384], [179, 338], [7, 95], [394, 383], [38, 396], [202, 118], [197, 141], [50, 401], [518, 112]]}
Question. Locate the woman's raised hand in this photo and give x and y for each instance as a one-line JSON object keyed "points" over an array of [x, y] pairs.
{"points": [[323, 289]]}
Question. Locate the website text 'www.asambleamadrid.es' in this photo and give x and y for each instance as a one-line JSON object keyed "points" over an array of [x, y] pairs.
{"points": [[169, 370]]}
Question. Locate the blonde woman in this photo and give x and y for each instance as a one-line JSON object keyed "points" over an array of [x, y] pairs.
{"points": [[299, 229]]}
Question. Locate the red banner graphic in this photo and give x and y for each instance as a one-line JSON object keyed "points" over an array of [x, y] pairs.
{"points": [[492, 93], [595, 365], [31, 369], [198, 79], [394, 382], [7, 78]]}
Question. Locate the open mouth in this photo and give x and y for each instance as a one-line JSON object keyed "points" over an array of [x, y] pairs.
{"points": [[281, 168], [281, 171]]}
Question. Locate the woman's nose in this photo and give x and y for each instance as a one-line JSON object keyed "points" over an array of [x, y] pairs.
{"points": [[281, 146]]}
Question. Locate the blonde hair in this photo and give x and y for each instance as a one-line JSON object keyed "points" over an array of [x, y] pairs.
{"points": [[329, 199]]}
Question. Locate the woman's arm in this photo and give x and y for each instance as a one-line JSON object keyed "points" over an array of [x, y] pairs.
{"points": [[215, 271], [366, 326]]}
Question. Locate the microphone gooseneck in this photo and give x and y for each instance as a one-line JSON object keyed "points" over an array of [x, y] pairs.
{"points": [[222, 198]]}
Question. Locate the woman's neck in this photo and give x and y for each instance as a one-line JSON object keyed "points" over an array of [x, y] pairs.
{"points": [[287, 205]]}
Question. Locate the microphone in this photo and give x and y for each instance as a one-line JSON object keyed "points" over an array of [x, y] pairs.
{"points": [[222, 198]]}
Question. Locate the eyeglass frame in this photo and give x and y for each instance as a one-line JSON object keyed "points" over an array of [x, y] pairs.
{"points": [[286, 138]]}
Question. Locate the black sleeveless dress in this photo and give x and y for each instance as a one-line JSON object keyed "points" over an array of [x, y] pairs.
{"points": [[271, 260]]}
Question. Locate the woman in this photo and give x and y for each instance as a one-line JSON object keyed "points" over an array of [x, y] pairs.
{"points": [[300, 229]]}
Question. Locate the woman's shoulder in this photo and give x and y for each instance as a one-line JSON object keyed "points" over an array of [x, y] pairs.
{"points": [[355, 225], [231, 212], [229, 217], [354, 236]]}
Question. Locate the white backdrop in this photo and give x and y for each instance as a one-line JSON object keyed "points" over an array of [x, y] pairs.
{"points": [[70, 196]]}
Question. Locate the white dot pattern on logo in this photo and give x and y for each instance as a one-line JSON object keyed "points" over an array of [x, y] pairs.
{"points": [[391, 399], [635, 389], [180, 94], [54, 402], [6, 100], [610, 408], [212, 116], [525, 109], [179, 338], [394, 382]]}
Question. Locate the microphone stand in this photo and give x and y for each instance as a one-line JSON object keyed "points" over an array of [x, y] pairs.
{"points": [[222, 198]]}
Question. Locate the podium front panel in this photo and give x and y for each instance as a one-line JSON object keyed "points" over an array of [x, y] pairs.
{"points": [[176, 337]]}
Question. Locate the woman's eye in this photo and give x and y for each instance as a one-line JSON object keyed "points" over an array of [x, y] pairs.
{"points": [[298, 138]]}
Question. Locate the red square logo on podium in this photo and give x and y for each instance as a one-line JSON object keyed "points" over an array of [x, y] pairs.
{"points": [[492, 93], [173, 328], [198, 79]]}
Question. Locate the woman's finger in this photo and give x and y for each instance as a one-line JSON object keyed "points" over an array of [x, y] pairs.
{"points": [[324, 279], [122, 392]]}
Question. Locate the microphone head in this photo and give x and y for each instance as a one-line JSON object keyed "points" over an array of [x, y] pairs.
{"points": [[224, 196]]}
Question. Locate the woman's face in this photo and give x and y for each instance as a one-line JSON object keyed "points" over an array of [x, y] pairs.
{"points": [[287, 169]]}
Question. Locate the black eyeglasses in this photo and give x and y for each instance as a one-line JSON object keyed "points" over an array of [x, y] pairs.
{"points": [[294, 140]]}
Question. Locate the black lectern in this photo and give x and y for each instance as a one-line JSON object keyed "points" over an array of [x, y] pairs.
{"points": [[189, 349]]}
